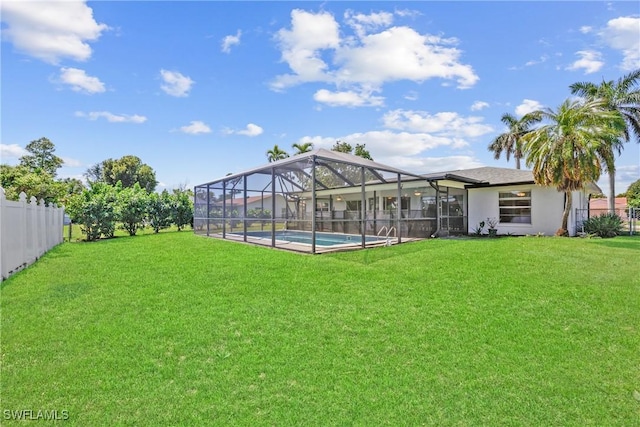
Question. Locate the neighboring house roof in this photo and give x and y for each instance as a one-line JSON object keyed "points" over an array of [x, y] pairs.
{"points": [[239, 201], [620, 203]]}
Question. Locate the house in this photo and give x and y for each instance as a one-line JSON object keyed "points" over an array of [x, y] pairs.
{"points": [[601, 205], [511, 196], [327, 191]]}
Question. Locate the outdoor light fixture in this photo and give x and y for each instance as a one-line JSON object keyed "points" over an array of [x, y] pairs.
{"points": [[417, 192], [520, 194], [338, 198]]}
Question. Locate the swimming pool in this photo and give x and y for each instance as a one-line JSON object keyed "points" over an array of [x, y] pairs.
{"points": [[322, 239]]}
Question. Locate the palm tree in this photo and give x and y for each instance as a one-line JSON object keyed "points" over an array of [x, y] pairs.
{"points": [[302, 148], [511, 141], [565, 152], [623, 97], [276, 153]]}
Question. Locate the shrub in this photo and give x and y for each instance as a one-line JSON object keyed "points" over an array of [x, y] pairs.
{"points": [[95, 210], [132, 206], [605, 225]]}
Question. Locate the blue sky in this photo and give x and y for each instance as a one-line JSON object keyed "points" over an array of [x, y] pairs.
{"points": [[201, 89]]}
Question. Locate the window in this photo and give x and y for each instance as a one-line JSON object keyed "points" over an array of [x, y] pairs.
{"points": [[390, 203], [322, 206], [515, 207], [354, 205]]}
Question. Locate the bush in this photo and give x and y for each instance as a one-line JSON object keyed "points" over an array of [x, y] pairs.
{"points": [[605, 225]]}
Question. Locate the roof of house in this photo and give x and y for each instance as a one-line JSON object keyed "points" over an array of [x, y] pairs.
{"points": [[490, 176], [486, 175]]}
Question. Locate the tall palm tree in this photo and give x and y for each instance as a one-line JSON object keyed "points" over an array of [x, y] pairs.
{"points": [[511, 141], [302, 148], [564, 152], [623, 97], [276, 153]]}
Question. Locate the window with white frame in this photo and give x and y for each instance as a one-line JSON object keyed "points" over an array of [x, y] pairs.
{"points": [[515, 207]]}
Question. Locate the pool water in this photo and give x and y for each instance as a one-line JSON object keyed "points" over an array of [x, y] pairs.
{"points": [[322, 239]]}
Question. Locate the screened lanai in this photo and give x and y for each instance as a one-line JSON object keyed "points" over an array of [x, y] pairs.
{"points": [[317, 202]]}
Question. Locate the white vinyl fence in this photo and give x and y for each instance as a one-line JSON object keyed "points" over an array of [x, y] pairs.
{"points": [[28, 229]]}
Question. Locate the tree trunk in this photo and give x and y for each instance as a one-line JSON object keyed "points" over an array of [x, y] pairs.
{"points": [[517, 162], [565, 213], [612, 192]]}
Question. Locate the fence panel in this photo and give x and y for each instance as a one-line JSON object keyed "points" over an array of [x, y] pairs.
{"points": [[28, 229]]}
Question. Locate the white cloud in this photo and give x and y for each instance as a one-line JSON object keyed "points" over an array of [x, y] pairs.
{"points": [[309, 33], [80, 81], [423, 165], [71, 163], [51, 30], [113, 118], [412, 95], [11, 151], [251, 130], [448, 124], [362, 24], [623, 34], [347, 99], [527, 106], [315, 52], [175, 84], [590, 61], [479, 105], [540, 60], [585, 29], [384, 146], [229, 41], [196, 127]]}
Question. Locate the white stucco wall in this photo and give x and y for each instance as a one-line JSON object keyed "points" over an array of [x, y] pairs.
{"points": [[547, 205]]}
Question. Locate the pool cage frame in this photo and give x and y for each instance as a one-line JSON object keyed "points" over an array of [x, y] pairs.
{"points": [[300, 193]]}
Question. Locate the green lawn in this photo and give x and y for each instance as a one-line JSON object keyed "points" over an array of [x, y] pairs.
{"points": [[176, 329]]}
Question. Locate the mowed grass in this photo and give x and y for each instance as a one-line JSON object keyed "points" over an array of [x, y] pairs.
{"points": [[176, 329]]}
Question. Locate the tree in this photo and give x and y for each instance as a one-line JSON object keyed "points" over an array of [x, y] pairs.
{"points": [[361, 151], [623, 98], [302, 148], [182, 208], [345, 147], [132, 208], [633, 195], [127, 169], [95, 209], [95, 173], [564, 152], [510, 142], [18, 179], [276, 153], [159, 210], [41, 158]]}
